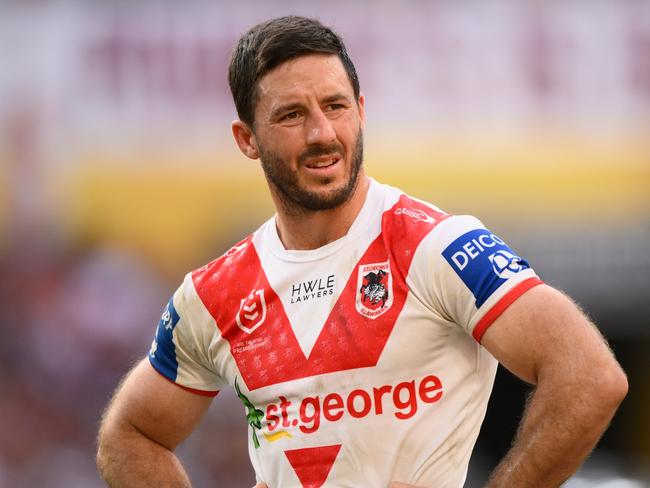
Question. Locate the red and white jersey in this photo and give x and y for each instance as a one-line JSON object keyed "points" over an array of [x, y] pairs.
{"points": [[358, 363]]}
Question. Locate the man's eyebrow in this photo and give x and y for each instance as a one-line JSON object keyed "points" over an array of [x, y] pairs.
{"points": [[337, 97], [288, 107]]}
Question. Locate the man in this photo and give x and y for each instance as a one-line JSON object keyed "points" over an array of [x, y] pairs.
{"points": [[360, 328]]}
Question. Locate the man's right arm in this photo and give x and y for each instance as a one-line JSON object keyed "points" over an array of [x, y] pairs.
{"points": [[146, 420]]}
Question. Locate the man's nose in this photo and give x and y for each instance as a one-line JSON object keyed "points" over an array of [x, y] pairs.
{"points": [[319, 129]]}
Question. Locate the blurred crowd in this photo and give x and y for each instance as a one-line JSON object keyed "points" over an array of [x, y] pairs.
{"points": [[71, 322], [74, 317]]}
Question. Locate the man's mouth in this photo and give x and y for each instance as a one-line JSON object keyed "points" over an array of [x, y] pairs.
{"points": [[322, 163]]}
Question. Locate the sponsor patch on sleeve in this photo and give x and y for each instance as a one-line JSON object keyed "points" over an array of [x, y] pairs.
{"points": [[483, 261], [162, 354]]}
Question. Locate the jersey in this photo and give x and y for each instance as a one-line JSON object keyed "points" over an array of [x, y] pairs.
{"points": [[358, 363]]}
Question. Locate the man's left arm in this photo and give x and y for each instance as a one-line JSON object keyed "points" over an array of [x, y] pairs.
{"points": [[545, 340]]}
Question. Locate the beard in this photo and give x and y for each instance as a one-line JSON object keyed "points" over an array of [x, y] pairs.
{"points": [[297, 198]]}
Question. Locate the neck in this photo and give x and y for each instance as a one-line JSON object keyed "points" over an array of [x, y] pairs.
{"points": [[314, 229]]}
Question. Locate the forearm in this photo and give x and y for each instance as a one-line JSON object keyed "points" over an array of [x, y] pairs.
{"points": [[558, 431], [127, 458]]}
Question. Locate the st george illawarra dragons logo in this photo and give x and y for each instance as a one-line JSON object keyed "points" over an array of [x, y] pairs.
{"points": [[374, 289]]}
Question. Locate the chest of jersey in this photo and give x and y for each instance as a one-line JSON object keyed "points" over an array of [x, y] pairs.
{"points": [[324, 380], [289, 319], [338, 361]]}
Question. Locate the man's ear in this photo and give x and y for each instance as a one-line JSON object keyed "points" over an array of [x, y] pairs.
{"points": [[361, 103], [245, 139]]}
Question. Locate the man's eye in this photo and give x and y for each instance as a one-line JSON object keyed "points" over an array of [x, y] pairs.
{"points": [[290, 116], [335, 106]]}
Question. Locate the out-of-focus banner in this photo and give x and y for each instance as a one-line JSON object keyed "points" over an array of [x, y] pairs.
{"points": [[115, 73], [532, 115]]}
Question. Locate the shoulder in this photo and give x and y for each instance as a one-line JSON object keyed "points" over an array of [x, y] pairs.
{"points": [[409, 221], [437, 239], [226, 267], [405, 213]]}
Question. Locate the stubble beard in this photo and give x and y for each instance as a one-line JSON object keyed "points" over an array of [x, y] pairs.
{"points": [[298, 199]]}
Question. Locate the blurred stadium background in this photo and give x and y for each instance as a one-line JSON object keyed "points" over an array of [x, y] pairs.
{"points": [[118, 175]]}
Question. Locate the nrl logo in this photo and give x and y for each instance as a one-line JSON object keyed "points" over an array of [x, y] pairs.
{"points": [[252, 311], [375, 285]]}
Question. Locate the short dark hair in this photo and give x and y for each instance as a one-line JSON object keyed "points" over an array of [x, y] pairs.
{"points": [[271, 43]]}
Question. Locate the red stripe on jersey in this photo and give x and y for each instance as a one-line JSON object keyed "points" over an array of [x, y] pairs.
{"points": [[313, 464], [500, 307], [269, 353]]}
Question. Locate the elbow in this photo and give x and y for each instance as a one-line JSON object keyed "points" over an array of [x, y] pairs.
{"points": [[101, 461], [109, 447], [102, 455], [610, 389], [597, 396], [616, 385]]}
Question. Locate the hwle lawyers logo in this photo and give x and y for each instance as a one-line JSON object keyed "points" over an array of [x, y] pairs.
{"points": [[483, 261], [310, 289]]}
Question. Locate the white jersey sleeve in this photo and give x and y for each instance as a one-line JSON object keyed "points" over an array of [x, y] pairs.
{"points": [[180, 350], [476, 276]]}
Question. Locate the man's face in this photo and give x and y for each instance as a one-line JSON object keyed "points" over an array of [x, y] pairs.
{"points": [[308, 130]]}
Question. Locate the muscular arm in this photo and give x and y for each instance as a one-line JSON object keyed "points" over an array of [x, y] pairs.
{"points": [[544, 339], [146, 420]]}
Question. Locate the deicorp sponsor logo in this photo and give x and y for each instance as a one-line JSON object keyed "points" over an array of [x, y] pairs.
{"points": [[483, 261], [506, 264], [284, 416]]}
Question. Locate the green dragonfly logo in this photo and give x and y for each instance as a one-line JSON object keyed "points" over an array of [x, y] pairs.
{"points": [[253, 415]]}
